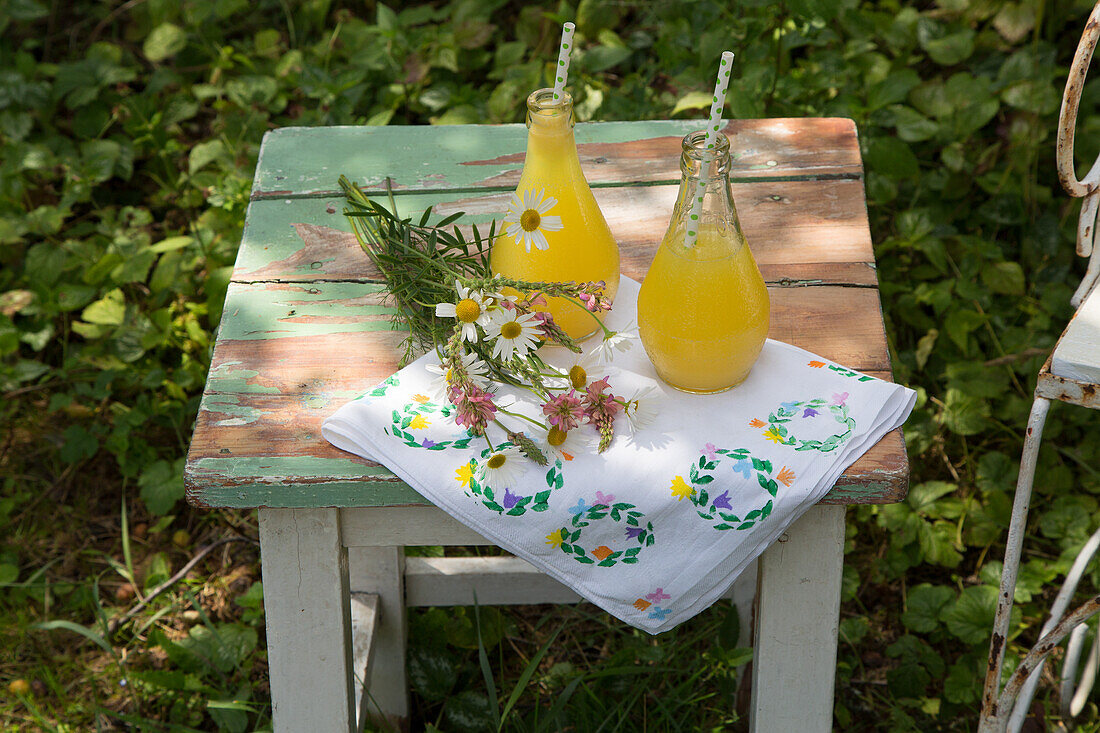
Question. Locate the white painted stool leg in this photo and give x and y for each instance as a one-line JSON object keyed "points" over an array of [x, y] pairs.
{"points": [[797, 619], [381, 570], [305, 576]]}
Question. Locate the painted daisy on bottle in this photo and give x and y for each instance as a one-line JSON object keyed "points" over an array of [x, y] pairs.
{"points": [[527, 220]]}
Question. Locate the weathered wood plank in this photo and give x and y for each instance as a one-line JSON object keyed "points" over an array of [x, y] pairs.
{"points": [[815, 230], [325, 341], [308, 161], [268, 451]]}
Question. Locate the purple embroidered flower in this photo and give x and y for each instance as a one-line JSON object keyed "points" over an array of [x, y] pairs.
{"points": [[604, 499], [510, 499], [709, 452], [723, 501], [810, 412], [839, 399], [428, 443], [744, 467], [658, 595], [659, 613], [579, 507], [632, 533]]}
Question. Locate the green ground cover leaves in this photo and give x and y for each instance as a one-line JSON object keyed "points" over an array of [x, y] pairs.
{"points": [[128, 139]]}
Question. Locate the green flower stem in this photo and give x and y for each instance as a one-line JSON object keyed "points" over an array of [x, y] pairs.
{"points": [[534, 422]]}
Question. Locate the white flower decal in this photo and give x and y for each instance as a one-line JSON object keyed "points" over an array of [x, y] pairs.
{"points": [[526, 219]]}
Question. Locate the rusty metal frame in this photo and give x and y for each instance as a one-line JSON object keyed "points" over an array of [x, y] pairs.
{"points": [[1005, 710]]}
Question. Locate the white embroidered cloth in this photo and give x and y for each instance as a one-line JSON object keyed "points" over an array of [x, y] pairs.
{"points": [[657, 527]]}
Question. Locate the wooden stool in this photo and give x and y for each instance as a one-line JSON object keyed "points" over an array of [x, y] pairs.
{"points": [[305, 329]]}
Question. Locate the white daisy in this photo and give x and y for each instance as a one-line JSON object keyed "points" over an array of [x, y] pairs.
{"points": [[526, 219], [582, 369], [471, 310], [621, 340], [475, 367], [515, 333], [642, 408], [565, 446], [502, 469]]}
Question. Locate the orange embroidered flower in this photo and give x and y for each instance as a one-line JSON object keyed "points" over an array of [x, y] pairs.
{"points": [[421, 398], [757, 423], [463, 474], [773, 435], [785, 477], [642, 604], [601, 552], [680, 489], [816, 364]]}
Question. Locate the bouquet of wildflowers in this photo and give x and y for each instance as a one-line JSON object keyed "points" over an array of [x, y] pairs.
{"points": [[487, 330]]}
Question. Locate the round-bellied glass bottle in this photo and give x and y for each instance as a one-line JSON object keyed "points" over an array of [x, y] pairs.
{"points": [[555, 230], [703, 309]]}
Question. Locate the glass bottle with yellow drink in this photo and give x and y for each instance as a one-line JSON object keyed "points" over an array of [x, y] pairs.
{"points": [[703, 308], [554, 230]]}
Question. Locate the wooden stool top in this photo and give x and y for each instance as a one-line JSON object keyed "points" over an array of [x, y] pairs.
{"points": [[304, 328]]}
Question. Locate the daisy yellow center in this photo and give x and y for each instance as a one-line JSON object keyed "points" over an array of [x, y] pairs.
{"points": [[511, 330], [530, 220], [578, 377], [467, 310], [496, 461], [556, 436], [447, 376]]}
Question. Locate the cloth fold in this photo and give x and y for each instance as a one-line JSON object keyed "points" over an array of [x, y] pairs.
{"points": [[657, 527]]}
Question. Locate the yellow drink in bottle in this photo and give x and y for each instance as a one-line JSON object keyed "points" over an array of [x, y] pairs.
{"points": [[555, 231], [703, 309]]}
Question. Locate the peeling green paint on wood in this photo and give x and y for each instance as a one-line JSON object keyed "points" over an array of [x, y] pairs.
{"points": [[295, 310]]}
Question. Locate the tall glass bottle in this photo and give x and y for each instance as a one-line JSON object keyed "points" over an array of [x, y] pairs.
{"points": [[703, 308], [554, 230]]}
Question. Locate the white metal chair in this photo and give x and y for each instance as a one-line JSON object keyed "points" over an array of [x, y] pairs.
{"points": [[1071, 374]]}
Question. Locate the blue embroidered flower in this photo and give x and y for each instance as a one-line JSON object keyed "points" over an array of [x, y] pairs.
{"points": [[788, 406], [579, 508], [744, 467], [659, 613], [723, 501]]}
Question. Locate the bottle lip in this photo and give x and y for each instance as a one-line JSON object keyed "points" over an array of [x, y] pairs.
{"points": [[541, 102], [694, 146]]}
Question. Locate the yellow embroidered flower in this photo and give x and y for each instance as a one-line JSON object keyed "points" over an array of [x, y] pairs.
{"points": [[554, 539], [773, 435], [464, 473], [418, 422], [680, 489], [785, 477]]}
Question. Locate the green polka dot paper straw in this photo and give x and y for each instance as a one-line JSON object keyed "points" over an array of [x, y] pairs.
{"points": [[713, 125], [561, 72]]}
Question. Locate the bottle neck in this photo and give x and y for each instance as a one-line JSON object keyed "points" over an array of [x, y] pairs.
{"points": [[550, 136], [717, 214]]}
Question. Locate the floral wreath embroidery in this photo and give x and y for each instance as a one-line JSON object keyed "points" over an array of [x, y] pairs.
{"points": [[512, 504], [779, 434], [650, 604], [413, 417], [568, 539], [380, 390], [841, 371], [718, 509]]}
